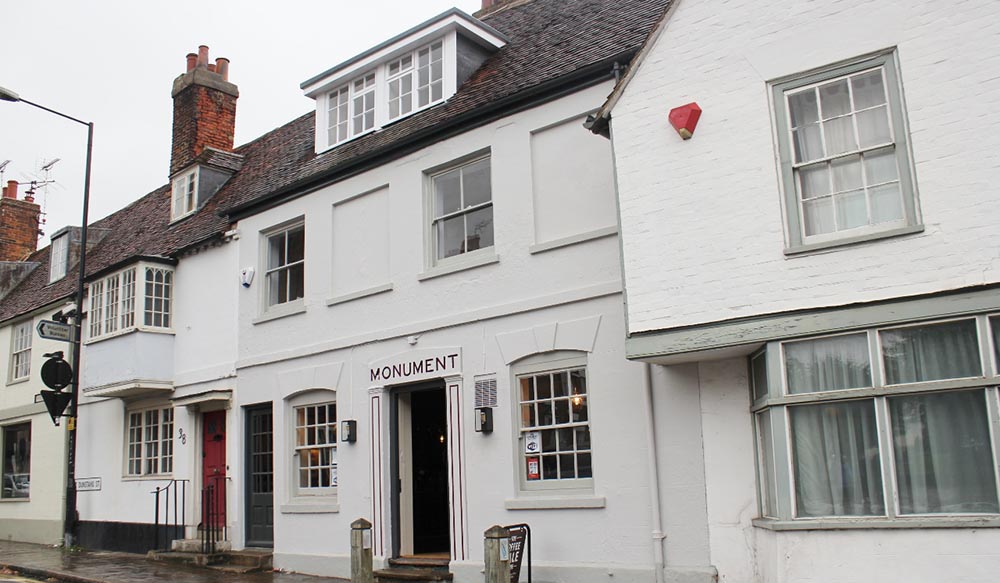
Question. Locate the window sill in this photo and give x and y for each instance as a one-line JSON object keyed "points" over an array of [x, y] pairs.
{"points": [[573, 240], [126, 332], [14, 500], [322, 505], [344, 298], [795, 250], [456, 264], [19, 381], [280, 312], [991, 521], [554, 502]]}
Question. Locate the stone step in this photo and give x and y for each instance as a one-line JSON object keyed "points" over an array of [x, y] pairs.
{"points": [[193, 545], [244, 561], [411, 575], [440, 564]]}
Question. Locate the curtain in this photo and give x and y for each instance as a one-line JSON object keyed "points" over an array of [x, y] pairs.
{"points": [[836, 459], [828, 364], [930, 353], [944, 461]]}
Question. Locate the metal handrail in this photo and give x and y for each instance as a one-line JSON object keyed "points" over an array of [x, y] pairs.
{"points": [[214, 525], [174, 526]]}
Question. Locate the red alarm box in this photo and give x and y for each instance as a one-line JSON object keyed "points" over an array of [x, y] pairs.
{"points": [[685, 119]]}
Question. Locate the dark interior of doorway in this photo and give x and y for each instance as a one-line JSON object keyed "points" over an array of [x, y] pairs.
{"points": [[430, 471]]}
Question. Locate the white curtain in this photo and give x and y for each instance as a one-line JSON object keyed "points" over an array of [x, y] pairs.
{"points": [[836, 459], [929, 353], [944, 462], [828, 364]]}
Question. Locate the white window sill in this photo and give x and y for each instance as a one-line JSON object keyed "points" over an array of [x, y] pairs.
{"points": [[19, 381], [554, 502], [3, 500], [344, 298], [303, 505], [460, 263], [278, 312], [953, 521], [573, 240], [126, 332], [804, 248]]}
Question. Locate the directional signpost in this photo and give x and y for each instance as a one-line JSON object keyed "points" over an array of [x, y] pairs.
{"points": [[55, 330]]}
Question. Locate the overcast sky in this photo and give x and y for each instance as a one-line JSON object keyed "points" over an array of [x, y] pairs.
{"points": [[112, 62]]}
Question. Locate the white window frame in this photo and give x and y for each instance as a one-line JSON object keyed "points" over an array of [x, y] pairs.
{"points": [[540, 364], [281, 307], [184, 194], [149, 441], [797, 240], [309, 500], [778, 402], [21, 336], [58, 257], [470, 258], [121, 302]]}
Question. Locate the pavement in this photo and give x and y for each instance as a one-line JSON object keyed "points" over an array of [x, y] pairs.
{"points": [[81, 566]]}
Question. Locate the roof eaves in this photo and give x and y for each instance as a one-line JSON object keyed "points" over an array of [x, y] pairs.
{"points": [[598, 122]]}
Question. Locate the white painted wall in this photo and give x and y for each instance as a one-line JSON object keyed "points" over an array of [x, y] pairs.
{"points": [[702, 219], [38, 518]]}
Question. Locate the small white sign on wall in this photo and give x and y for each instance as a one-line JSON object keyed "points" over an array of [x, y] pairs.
{"points": [[532, 442]]}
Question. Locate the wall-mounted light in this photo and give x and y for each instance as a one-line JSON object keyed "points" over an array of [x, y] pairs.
{"points": [[685, 119], [349, 430], [484, 419]]}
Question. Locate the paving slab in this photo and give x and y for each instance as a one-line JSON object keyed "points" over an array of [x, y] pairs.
{"points": [[82, 566]]}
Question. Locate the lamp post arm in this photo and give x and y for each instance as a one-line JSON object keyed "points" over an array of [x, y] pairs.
{"points": [[69, 117]]}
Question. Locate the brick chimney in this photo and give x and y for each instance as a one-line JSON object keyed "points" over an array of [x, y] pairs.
{"points": [[204, 109], [18, 225]]}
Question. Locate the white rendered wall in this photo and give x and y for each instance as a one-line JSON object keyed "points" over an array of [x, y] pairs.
{"points": [[39, 517], [702, 219], [743, 553]]}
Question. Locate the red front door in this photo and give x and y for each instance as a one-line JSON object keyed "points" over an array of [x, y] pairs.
{"points": [[213, 455]]}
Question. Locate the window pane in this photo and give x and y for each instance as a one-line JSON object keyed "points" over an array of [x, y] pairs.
{"points": [[944, 460], [846, 173], [836, 460], [834, 99], [451, 233], [880, 166], [995, 325], [480, 229], [839, 134], [873, 127], [476, 183], [868, 89], [818, 216], [828, 364], [769, 492], [758, 375], [886, 202], [808, 142], [814, 180], [930, 353], [16, 461], [803, 108], [296, 245], [447, 193], [851, 209], [276, 251]]}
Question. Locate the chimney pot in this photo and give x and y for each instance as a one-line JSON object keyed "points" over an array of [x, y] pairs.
{"points": [[222, 67], [192, 61], [487, 4], [202, 56], [211, 67], [11, 190]]}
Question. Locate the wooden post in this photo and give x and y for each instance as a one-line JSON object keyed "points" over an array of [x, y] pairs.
{"points": [[497, 544], [361, 551]]}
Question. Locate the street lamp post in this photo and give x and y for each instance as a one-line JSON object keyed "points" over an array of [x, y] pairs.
{"points": [[70, 520]]}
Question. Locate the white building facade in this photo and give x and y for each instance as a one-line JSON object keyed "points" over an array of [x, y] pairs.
{"points": [[812, 272]]}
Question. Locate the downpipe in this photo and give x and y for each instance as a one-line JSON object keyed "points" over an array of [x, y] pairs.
{"points": [[659, 560]]}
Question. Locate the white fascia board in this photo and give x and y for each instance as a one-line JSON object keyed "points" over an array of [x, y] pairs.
{"points": [[449, 22]]}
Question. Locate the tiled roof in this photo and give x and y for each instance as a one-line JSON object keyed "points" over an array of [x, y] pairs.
{"points": [[550, 41]]}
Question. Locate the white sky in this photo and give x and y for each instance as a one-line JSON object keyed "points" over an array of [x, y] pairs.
{"points": [[112, 62]]}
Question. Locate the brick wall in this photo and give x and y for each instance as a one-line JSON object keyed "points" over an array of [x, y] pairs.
{"points": [[702, 229], [203, 116], [18, 229]]}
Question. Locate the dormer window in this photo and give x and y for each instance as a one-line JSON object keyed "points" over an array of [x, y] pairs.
{"points": [[184, 195], [411, 72], [58, 257]]}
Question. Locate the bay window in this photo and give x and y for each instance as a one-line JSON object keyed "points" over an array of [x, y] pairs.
{"points": [[880, 425], [141, 293]]}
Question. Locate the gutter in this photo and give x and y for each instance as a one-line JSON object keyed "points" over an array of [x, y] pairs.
{"points": [[531, 97]]}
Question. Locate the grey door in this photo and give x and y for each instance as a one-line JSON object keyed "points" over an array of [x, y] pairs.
{"points": [[260, 476]]}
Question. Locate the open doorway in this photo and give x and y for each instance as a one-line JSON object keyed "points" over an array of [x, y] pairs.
{"points": [[420, 468]]}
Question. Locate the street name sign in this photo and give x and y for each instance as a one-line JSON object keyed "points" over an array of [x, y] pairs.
{"points": [[88, 484], [55, 331]]}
